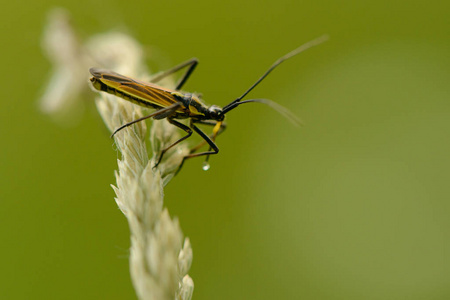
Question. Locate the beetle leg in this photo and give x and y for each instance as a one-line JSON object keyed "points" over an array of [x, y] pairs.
{"points": [[161, 113], [192, 63], [209, 123], [181, 126], [207, 139]]}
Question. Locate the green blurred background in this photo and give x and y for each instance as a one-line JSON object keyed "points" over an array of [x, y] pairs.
{"points": [[353, 205]]}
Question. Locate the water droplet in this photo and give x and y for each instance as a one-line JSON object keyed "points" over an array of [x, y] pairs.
{"points": [[206, 166]]}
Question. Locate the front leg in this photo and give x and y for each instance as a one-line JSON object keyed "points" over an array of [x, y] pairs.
{"points": [[207, 139], [222, 128]]}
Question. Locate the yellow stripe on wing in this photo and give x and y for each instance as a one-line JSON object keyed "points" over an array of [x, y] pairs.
{"points": [[149, 93]]}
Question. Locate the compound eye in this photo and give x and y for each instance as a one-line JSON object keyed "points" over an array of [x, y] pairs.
{"points": [[215, 112]]}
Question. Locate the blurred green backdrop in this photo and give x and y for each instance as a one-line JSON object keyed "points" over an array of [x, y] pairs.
{"points": [[354, 205]]}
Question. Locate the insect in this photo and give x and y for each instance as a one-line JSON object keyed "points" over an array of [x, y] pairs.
{"points": [[174, 105]]}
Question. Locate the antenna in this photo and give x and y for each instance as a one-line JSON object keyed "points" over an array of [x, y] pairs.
{"points": [[300, 49]]}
